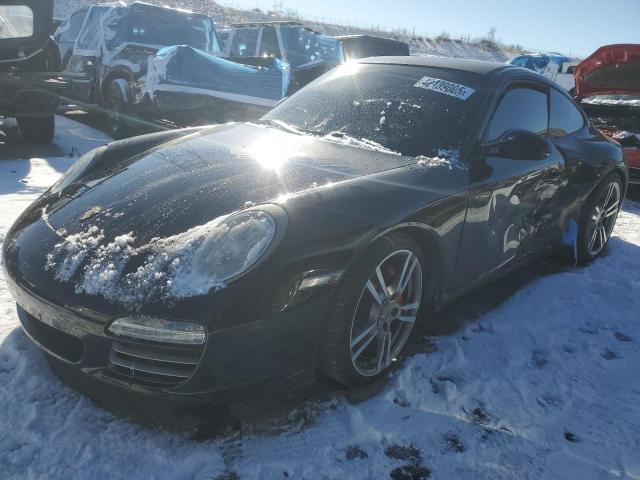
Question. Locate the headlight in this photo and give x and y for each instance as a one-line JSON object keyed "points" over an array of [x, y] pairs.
{"points": [[235, 244], [158, 330], [77, 169]]}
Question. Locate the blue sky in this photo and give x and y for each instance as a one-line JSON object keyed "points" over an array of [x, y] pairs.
{"points": [[570, 26]]}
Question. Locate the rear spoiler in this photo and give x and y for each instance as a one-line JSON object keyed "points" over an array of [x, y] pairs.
{"points": [[23, 47]]}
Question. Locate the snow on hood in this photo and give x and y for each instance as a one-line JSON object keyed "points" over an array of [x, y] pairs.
{"points": [[448, 158], [180, 266]]}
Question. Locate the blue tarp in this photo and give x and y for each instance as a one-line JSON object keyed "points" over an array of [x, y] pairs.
{"points": [[185, 68]]}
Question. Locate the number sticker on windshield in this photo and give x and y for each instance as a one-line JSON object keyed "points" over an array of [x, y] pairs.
{"points": [[446, 87]]}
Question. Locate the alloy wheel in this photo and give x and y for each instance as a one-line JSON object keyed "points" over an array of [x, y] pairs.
{"points": [[386, 312], [603, 218]]}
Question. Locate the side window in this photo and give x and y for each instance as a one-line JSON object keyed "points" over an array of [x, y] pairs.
{"points": [[244, 42], [74, 26], [519, 61], [565, 118], [115, 25], [520, 108], [269, 46], [89, 38]]}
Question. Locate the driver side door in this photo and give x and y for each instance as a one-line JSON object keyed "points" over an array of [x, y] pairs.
{"points": [[510, 200]]}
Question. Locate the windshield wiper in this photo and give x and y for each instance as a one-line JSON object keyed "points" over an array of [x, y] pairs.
{"points": [[344, 139], [283, 126]]}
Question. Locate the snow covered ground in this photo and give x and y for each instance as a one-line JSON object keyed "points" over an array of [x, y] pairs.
{"points": [[544, 386]]}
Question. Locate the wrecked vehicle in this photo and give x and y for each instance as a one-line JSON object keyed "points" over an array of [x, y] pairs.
{"points": [[264, 62], [188, 86], [193, 264], [362, 46], [556, 66], [308, 52], [608, 88], [112, 45], [29, 88]]}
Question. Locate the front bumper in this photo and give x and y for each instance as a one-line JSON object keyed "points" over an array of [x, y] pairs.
{"points": [[274, 352]]}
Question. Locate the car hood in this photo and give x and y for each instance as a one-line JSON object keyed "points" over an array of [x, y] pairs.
{"points": [[177, 187], [610, 70], [207, 174]]}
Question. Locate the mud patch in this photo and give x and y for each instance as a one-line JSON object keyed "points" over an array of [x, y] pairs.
{"points": [[570, 437], [621, 337], [539, 359], [410, 472], [453, 443], [408, 453], [355, 452], [414, 469]]}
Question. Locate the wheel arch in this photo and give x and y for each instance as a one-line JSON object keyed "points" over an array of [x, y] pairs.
{"points": [[120, 73], [617, 169], [624, 174], [429, 243]]}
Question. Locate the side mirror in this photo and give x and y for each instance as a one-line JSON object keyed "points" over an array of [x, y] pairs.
{"points": [[518, 145]]}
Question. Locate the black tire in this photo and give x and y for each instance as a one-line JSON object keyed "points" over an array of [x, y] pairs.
{"points": [[118, 105], [37, 129], [587, 215], [335, 353]]}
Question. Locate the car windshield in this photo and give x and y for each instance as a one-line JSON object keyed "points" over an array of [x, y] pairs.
{"points": [[413, 111]]}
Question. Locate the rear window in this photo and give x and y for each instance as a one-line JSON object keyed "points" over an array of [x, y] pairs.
{"points": [[245, 41], [89, 39], [564, 117], [410, 110]]}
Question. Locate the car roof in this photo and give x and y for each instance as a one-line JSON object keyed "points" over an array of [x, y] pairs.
{"points": [[475, 66]]}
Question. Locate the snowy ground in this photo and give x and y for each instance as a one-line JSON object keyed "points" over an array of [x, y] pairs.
{"points": [[543, 386]]}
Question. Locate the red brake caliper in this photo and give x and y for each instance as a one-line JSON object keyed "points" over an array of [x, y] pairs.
{"points": [[391, 272]]}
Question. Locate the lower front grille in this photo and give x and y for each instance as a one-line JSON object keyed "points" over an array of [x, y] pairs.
{"points": [[160, 364]]}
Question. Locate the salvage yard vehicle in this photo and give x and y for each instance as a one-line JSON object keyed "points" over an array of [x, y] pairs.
{"points": [[28, 88], [362, 46], [264, 62], [196, 263], [556, 66], [105, 49], [608, 88], [308, 53]]}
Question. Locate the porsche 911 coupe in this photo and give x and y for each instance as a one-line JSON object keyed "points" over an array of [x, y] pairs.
{"points": [[193, 263]]}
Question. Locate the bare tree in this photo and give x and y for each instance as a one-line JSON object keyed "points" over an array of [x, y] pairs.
{"points": [[491, 34]]}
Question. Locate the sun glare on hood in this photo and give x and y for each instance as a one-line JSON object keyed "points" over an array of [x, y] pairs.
{"points": [[271, 152]]}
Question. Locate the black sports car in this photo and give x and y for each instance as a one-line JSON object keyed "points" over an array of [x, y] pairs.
{"points": [[190, 263]]}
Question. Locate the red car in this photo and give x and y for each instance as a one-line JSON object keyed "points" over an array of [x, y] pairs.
{"points": [[614, 71]]}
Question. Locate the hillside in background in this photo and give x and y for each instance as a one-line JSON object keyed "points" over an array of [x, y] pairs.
{"points": [[224, 16]]}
